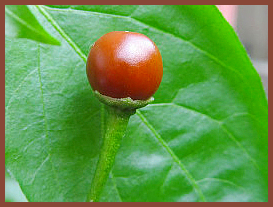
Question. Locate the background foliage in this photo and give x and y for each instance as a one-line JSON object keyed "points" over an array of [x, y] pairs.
{"points": [[203, 139]]}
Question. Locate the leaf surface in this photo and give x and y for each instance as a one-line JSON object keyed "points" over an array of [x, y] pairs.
{"points": [[203, 139]]}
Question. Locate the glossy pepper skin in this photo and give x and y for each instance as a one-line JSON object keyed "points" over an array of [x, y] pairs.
{"points": [[125, 64]]}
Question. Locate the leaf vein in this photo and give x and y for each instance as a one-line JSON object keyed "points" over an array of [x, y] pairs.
{"points": [[19, 86], [221, 180], [44, 115], [115, 185], [175, 158], [61, 32], [39, 168], [218, 122], [31, 143]]}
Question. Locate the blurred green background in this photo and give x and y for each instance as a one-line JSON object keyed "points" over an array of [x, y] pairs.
{"points": [[13, 192]]}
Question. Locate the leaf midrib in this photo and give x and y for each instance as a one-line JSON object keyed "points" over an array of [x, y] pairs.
{"points": [[220, 124], [61, 32], [173, 155]]}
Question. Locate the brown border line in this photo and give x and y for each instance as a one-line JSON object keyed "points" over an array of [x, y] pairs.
{"points": [[108, 2]]}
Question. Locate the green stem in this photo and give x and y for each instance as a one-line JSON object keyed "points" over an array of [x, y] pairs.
{"points": [[116, 123]]}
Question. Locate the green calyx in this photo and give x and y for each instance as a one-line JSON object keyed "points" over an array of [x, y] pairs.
{"points": [[123, 104]]}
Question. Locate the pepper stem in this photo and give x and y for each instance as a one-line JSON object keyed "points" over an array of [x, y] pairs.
{"points": [[115, 127], [118, 111]]}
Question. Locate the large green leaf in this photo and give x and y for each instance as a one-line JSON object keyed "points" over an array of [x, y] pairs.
{"points": [[21, 22], [203, 139]]}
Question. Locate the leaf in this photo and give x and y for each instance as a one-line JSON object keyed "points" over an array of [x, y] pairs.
{"points": [[21, 22], [203, 139]]}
